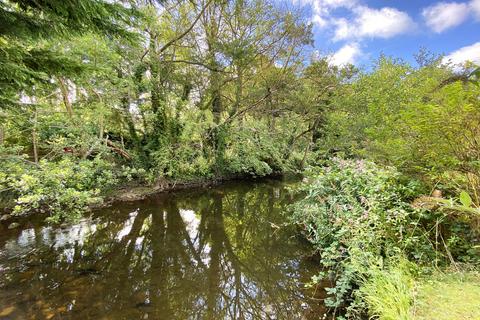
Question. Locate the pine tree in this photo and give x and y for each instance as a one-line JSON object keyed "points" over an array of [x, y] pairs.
{"points": [[27, 27]]}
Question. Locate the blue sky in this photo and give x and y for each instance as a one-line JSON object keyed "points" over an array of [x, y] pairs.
{"points": [[358, 31]]}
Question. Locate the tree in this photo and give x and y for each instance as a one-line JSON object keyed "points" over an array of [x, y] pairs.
{"points": [[26, 25]]}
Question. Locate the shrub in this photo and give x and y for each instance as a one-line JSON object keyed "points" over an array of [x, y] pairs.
{"points": [[356, 213], [181, 161], [254, 151], [64, 189], [359, 218]]}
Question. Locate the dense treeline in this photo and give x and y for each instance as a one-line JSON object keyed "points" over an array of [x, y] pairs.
{"points": [[185, 90], [99, 94], [146, 90], [423, 120]]}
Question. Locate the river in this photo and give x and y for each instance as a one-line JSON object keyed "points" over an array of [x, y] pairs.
{"points": [[223, 252]]}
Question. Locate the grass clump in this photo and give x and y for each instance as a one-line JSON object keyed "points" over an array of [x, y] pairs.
{"points": [[395, 293], [389, 292]]}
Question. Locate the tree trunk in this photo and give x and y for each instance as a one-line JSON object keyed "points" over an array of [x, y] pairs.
{"points": [[125, 103], [155, 91], [66, 101], [238, 92], [34, 137], [318, 131], [2, 135], [100, 127], [271, 116]]}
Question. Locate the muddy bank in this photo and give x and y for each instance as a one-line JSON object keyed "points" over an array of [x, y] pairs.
{"points": [[140, 192]]}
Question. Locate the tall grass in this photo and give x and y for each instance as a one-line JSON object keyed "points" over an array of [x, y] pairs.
{"points": [[389, 293]]}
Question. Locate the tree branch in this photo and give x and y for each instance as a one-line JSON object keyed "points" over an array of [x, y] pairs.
{"points": [[196, 63], [179, 37]]}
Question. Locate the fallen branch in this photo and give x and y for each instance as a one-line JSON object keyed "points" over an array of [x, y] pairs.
{"points": [[118, 150]]}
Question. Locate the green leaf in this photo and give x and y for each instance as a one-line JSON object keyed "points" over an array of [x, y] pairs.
{"points": [[465, 199]]}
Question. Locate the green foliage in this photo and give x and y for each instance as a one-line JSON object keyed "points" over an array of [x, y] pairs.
{"points": [[133, 174], [398, 291], [154, 109], [85, 107], [63, 189], [182, 161], [465, 199], [355, 212], [358, 215], [422, 120], [253, 150], [25, 57]]}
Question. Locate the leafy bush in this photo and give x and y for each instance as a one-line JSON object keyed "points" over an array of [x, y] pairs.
{"points": [[181, 161], [417, 119], [64, 189], [254, 151], [355, 213], [358, 215]]}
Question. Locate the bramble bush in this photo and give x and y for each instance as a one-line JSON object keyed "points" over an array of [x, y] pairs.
{"points": [[358, 216]]}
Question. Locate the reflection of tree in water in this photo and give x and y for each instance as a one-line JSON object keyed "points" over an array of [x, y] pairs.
{"points": [[213, 255]]}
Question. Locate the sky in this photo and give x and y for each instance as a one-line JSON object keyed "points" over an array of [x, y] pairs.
{"points": [[358, 31]]}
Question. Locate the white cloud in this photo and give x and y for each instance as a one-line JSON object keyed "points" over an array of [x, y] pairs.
{"points": [[383, 23], [319, 20], [338, 3], [475, 6], [321, 9], [343, 29], [366, 22], [373, 23], [468, 53], [445, 15], [346, 54]]}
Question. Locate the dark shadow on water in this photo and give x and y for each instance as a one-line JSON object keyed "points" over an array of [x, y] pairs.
{"points": [[217, 253]]}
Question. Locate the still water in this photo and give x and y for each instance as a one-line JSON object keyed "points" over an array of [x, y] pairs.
{"points": [[215, 253]]}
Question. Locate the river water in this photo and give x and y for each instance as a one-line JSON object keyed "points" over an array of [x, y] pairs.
{"points": [[217, 253]]}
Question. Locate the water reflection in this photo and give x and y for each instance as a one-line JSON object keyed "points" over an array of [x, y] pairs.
{"points": [[215, 254]]}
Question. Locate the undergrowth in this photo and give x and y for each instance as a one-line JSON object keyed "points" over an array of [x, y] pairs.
{"points": [[359, 217]]}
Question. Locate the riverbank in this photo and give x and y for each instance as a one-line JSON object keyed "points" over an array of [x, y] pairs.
{"points": [[123, 193], [134, 192], [64, 189], [138, 190]]}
